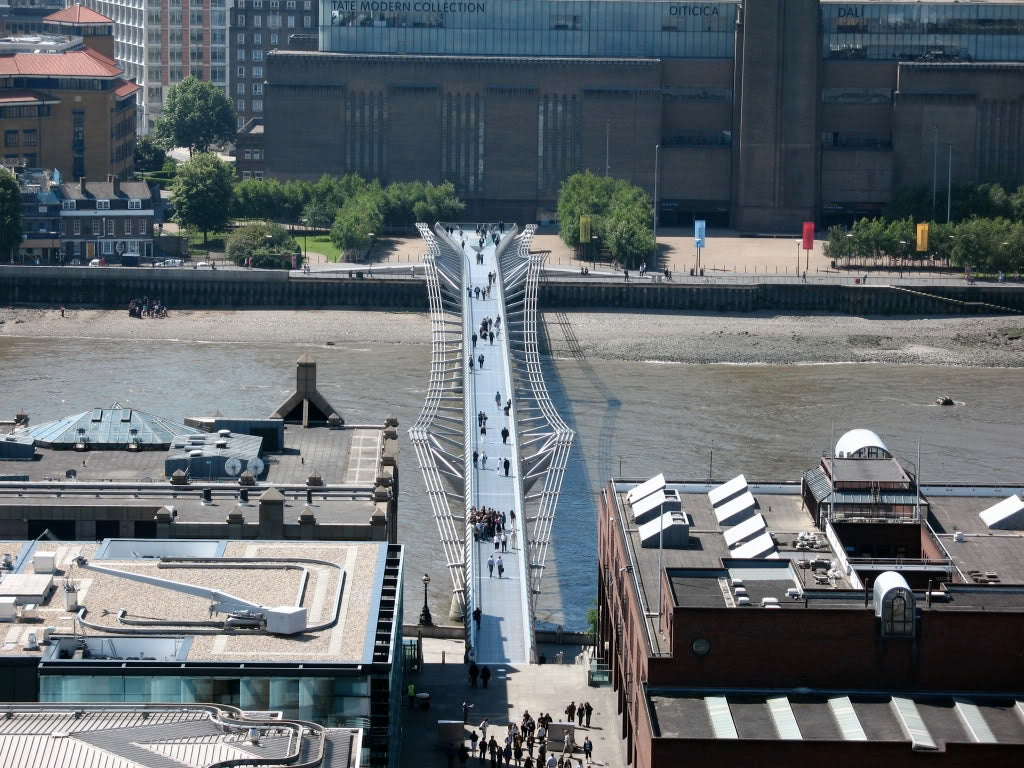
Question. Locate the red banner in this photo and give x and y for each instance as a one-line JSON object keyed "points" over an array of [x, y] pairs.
{"points": [[808, 244]]}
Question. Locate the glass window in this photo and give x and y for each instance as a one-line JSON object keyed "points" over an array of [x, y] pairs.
{"points": [[246, 174], [257, 105], [240, 89], [30, 137], [110, 227], [240, 71], [240, 20], [10, 138], [240, 105], [102, 205], [77, 226], [257, 88], [307, 21], [273, 38], [291, 22], [240, 54], [257, 70], [257, 38], [257, 55], [240, 38]]}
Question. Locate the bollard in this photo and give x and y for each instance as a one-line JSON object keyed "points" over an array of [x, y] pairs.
{"points": [[442, 657]]}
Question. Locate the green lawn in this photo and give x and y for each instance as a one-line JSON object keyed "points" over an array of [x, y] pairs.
{"points": [[215, 242], [321, 244]]}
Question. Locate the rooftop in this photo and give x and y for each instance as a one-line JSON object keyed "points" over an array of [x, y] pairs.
{"points": [[922, 722], [78, 14], [104, 190], [159, 736], [200, 602], [84, 63], [797, 567]]}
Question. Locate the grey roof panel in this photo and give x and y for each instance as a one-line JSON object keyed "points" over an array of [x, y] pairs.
{"points": [[752, 718]]}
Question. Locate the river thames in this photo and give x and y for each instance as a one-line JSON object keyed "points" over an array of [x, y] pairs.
{"points": [[633, 419]]}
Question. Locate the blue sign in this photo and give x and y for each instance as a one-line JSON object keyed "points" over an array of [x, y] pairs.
{"points": [[699, 231]]}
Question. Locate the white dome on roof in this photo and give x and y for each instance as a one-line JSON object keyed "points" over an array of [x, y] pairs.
{"points": [[860, 441]]}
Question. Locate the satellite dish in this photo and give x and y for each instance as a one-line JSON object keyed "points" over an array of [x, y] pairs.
{"points": [[255, 465], [233, 466]]}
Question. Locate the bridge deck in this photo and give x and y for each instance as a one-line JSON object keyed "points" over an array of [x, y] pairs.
{"points": [[504, 629]]}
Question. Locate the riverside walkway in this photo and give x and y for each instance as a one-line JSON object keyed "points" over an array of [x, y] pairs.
{"points": [[476, 274]]}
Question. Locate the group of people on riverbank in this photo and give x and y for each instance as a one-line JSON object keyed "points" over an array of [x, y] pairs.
{"points": [[146, 307]]}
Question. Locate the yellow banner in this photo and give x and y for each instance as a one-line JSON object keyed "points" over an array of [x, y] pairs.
{"points": [[922, 237], [584, 229]]}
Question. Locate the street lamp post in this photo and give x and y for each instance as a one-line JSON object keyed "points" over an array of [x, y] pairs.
{"points": [[369, 249], [425, 618], [657, 153], [798, 258], [305, 241]]}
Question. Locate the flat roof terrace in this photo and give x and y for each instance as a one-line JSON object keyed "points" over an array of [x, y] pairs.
{"points": [[209, 600]]}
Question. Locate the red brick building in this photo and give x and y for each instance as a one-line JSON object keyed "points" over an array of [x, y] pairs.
{"points": [[806, 651], [67, 106]]}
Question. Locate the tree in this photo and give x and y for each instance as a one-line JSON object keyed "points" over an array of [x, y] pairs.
{"points": [[149, 156], [358, 220], [268, 245], [202, 193], [11, 221], [195, 115]]}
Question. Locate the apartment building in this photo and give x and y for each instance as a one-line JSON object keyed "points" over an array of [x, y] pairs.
{"points": [[255, 28], [161, 42], [66, 106]]}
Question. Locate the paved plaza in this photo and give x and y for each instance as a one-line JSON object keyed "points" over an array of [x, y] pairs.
{"points": [[512, 689]]}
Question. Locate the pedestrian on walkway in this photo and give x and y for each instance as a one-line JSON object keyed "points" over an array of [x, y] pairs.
{"points": [[464, 754], [567, 745], [501, 567], [483, 460], [485, 674], [504, 435], [504, 548], [506, 465], [411, 690], [477, 613], [570, 711], [588, 748], [469, 291], [490, 336], [490, 566], [483, 750], [474, 341], [483, 730], [483, 429], [589, 710], [497, 398], [492, 747], [474, 672], [579, 715], [480, 359], [470, 363], [476, 457], [497, 541]]}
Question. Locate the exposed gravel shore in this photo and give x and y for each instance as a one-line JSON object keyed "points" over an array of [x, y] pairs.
{"points": [[688, 338]]}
